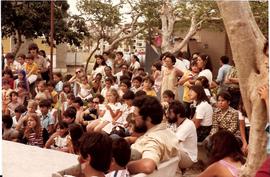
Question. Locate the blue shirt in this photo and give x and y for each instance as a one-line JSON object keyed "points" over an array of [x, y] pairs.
{"points": [[222, 72], [46, 120]]}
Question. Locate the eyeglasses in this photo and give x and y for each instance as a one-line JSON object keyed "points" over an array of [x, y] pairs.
{"points": [[78, 72]]}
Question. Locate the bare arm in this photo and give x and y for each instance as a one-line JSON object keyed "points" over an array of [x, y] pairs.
{"points": [[197, 122], [141, 166]]}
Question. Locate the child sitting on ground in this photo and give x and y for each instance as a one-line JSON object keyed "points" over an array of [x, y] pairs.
{"points": [[148, 84]]}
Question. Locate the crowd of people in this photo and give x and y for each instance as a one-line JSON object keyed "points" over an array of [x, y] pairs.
{"points": [[122, 120]]}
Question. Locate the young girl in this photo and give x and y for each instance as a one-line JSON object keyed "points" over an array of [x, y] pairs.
{"points": [[109, 113], [148, 83], [156, 74], [66, 90], [21, 78], [85, 89], [124, 87], [202, 117], [57, 78], [34, 135], [41, 90], [60, 140]]}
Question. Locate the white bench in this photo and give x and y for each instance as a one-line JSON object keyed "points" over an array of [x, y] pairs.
{"points": [[165, 169], [30, 161]]}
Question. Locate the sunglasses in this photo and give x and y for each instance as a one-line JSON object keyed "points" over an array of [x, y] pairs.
{"points": [[78, 72]]}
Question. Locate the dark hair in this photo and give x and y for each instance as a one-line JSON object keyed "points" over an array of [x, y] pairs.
{"points": [[138, 78], [120, 53], [201, 96], [129, 95], [58, 74], [78, 100], [75, 132], [20, 109], [30, 56], [45, 103], [179, 54], [70, 112], [169, 93], [102, 63], [149, 79], [21, 55], [192, 63], [225, 95], [99, 147], [125, 77], [33, 46], [9, 55], [177, 108], [9, 72], [141, 69], [224, 59], [105, 53], [149, 107], [171, 56], [136, 58], [241, 107], [265, 47], [118, 130], [110, 79], [62, 125], [163, 55], [126, 82], [7, 119], [157, 65], [140, 93], [207, 59], [225, 144], [204, 81], [51, 83], [42, 53], [13, 93], [71, 96], [100, 97], [121, 151]]}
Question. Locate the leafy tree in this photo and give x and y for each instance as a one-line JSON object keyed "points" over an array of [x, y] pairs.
{"points": [[106, 23], [32, 20]]}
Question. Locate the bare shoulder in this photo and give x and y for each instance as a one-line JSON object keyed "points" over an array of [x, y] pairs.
{"points": [[215, 170]]}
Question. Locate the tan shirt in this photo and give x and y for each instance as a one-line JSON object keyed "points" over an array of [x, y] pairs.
{"points": [[158, 143]]}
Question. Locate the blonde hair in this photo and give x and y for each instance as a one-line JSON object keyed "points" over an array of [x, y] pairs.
{"points": [[32, 103]]}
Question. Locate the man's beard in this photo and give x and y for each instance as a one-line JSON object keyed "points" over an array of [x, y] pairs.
{"points": [[140, 128], [172, 120]]}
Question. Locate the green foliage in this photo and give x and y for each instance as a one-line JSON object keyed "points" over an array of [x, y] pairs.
{"points": [[32, 19], [260, 12], [103, 14]]}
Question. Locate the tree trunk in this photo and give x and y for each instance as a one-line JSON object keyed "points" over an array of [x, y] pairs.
{"points": [[167, 20], [18, 43], [247, 43], [91, 54], [191, 32]]}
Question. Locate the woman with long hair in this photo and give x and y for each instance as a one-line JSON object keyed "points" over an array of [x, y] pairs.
{"points": [[202, 117], [99, 66], [226, 156]]}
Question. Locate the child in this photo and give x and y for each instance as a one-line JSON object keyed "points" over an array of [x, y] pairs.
{"points": [[148, 84], [124, 87], [121, 153], [13, 102], [168, 97], [9, 133], [41, 90], [47, 120], [110, 113], [34, 134], [57, 78], [108, 85], [60, 140], [21, 62], [136, 84], [156, 74], [21, 78], [85, 89], [66, 90], [31, 69], [19, 113]]}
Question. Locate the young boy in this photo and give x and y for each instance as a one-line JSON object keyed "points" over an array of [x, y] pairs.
{"points": [[148, 84], [121, 155], [46, 119], [13, 103], [136, 84], [31, 69]]}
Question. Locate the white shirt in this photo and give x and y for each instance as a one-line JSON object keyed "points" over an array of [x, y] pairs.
{"points": [[187, 134], [208, 74], [204, 111], [135, 65], [99, 69], [182, 65], [104, 91], [242, 117]]}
